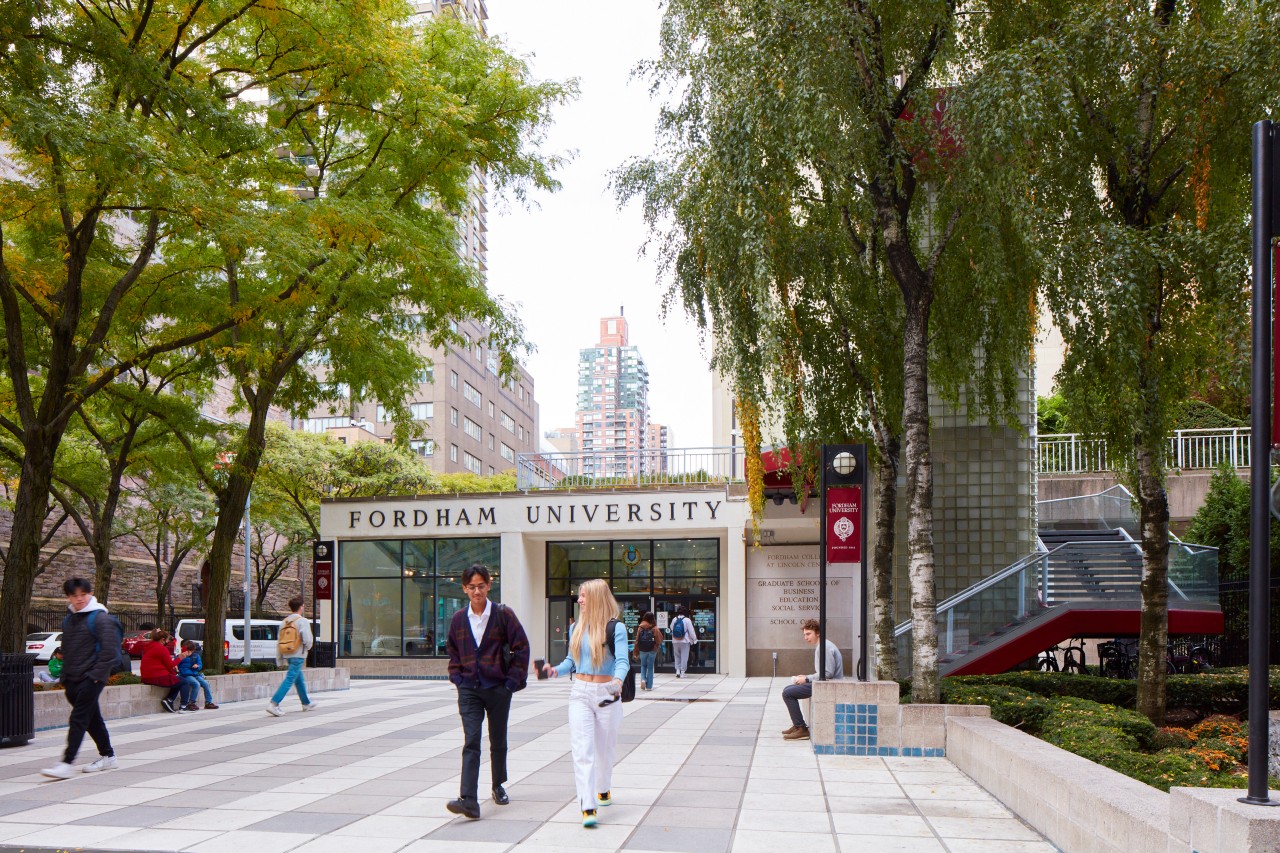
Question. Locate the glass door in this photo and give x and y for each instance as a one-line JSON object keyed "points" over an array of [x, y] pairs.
{"points": [[559, 621], [702, 610]]}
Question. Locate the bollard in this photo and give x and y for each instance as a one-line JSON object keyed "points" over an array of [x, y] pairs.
{"points": [[775, 664]]}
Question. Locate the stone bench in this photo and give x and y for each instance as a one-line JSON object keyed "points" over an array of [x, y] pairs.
{"points": [[132, 700]]}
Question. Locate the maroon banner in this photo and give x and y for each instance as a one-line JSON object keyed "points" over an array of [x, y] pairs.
{"points": [[322, 567], [844, 524]]}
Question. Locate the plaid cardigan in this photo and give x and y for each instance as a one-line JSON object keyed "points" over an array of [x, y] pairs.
{"points": [[482, 667]]}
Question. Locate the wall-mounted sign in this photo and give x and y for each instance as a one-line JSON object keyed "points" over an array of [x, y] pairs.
{"points": [[322, 569], [844, 524]]}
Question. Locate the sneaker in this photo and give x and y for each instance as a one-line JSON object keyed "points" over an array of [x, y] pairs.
{"points": [[274, 710], [589, 817], [311, 706], [192, 706], [106, 762], [183, 709], [605, 799], [61, 770], [800, 733], [470, 808], [169, 706], [209, 706]]}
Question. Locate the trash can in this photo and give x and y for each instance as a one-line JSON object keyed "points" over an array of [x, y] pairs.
{"points": [[324, 655], [17, 699]]}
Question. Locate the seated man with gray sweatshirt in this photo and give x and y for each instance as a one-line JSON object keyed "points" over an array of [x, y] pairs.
{"points": [[802, 688]]}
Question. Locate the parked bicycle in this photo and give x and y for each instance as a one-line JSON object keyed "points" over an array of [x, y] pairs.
{"points": [[1117, 659], [1073, 659], [1195, 659]]}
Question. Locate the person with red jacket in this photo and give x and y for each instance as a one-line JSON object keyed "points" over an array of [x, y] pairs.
{"points": [[159, 667]]}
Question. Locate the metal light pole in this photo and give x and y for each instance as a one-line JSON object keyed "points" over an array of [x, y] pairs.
{"points": [[248, 634], [1264, 197]]}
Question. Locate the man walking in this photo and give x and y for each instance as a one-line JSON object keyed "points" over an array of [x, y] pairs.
{"points": [[488, 661], [683, 640], [292, 644], [90, 647], [802, 685]]}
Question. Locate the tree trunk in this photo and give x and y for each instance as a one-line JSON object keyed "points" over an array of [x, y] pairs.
{"points": [[886, 487], [915, 425], [26, 537], [1153, 640]]}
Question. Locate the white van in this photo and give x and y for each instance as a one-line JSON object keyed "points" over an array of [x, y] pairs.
{"points": [[262, 637]]}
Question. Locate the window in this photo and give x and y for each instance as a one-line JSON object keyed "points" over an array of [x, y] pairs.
{"points": [[491, 445], [453, 379], [471, 463], [493, 362], [423, 446], [319, 425], [427, 376], [472, 428], [472, 395], [490, 470], [520, 391], [383, 416], [508, 454], [508, 423], [421, 411], [453, 453], [521, 433], [490, 408], [453, 417]]}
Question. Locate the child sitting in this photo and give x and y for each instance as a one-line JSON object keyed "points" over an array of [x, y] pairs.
{"points": [[54, 675], [189, 668]]}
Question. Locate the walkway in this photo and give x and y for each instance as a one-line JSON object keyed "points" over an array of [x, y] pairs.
{"points": [[371, 770]]}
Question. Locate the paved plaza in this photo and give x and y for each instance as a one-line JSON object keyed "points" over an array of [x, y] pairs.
{"points": [[701, 767]]}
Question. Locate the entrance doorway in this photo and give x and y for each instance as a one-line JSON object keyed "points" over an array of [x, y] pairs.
{"points": [[561, 612], [702, 610]]}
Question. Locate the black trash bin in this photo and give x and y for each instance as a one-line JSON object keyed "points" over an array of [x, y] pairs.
{"points": [[323, 655], [17, 699]]}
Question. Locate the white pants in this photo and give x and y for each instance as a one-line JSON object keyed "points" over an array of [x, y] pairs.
{"points": [[682, 656], [593, 738]]}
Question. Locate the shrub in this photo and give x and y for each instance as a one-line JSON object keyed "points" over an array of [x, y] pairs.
{"points": [[1010, 705], [1217, 726], [1174, 737], [124, 678]]}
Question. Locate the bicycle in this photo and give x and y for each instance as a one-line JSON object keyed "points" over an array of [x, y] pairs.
{"points": [[1073, 658], [1115, 659], [1047, 660]]}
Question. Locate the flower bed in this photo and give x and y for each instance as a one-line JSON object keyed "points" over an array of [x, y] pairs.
{"points": [[1210, 754]]}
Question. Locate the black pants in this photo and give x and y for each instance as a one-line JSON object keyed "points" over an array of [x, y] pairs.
{"points": [[85, 717], [791, 695], [473, 705]]}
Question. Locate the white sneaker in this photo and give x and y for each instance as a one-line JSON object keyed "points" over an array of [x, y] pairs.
{"points": [[311, 706], [182, 709], [61, 770], [274, 710], [106, 762]]}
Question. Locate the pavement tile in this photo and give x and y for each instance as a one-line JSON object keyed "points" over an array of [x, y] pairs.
{"points": [[68, 836], [889, 844], [1007, 828], [758, 841], [304, 822], [700, 839], [136, 816], [876, 824], [465, 830], [259, 842]]}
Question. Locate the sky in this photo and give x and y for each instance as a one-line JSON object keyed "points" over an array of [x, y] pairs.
{"points": [[572, 257]]}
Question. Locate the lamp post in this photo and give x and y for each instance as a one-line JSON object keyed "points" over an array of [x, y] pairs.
{"points": [[842, 537]]}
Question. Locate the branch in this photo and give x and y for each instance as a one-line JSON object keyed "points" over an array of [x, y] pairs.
{"points": [[936, 256]]}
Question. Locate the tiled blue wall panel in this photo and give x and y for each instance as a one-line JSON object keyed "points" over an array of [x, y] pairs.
{"points": [[858, 733]]}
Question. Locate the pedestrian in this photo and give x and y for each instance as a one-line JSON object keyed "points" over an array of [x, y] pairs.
{"points": [[190, 670], [90, 647], [160, 668], [53, 676], [682, 639], [598, 658], [648, 641], [801, 686], [488, 661], [292, 644]]}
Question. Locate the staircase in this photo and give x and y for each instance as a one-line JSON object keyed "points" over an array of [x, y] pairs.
{"points": [[1085, 583]]}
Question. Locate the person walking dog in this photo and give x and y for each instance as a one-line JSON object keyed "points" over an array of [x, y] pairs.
{"points": [[292, 644], [488, 662], [598, 657], [90, 647]]}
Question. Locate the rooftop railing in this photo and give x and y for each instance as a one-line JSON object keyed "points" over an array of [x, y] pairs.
{"points": [[1071, 453], [607, 469]]}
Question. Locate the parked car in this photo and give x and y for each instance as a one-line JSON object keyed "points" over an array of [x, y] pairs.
{"points": [[262, 640], [44, 644], [135, 643]]}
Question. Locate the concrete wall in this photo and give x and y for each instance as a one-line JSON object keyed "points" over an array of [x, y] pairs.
{"points": [[1187, 489]]}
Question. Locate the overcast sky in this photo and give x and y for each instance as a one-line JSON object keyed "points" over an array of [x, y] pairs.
{"points": [[574, 257]]}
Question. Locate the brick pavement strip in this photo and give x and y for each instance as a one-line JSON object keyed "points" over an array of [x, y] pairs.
{"points": [[371, 770]]}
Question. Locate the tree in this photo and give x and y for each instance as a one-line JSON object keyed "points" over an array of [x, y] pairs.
{"points": [[822, 128], [1124, 128]]}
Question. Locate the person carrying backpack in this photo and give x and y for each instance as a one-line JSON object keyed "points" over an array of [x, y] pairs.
{"points": [[292, 644], [682, 639], [648, 641], [90, 649]]}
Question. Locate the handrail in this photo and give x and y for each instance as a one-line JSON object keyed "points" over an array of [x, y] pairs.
{"points": [[984, 584]]}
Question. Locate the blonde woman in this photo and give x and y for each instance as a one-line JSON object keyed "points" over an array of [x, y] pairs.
{"points": [[598, 659]]}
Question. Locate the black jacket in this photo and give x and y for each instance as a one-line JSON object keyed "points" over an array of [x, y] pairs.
{"points": [[78, 659]]}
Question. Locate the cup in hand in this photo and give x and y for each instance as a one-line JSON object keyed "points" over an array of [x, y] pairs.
{"points": [[539, 666]]}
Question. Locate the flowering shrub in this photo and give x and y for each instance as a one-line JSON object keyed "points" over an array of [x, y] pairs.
{"points": [[1174, 737], [1217, 726]]}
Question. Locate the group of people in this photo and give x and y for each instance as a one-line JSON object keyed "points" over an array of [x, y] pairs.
{"points": [[182, 675]]}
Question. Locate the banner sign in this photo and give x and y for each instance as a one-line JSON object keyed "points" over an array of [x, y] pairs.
{"points": [[322, 565], [844, 524]]}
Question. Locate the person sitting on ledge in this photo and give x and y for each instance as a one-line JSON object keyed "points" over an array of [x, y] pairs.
{"points": [[802, 685]]}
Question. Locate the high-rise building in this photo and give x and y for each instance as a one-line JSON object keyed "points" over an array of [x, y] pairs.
{"points": [[470, 419], [615, 435]]}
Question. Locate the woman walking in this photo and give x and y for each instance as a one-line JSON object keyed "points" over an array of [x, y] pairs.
{"points": [[648, 641], [598, 658]]}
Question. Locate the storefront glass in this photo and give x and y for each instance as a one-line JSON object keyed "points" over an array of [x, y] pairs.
{"points": [[396, 598]]}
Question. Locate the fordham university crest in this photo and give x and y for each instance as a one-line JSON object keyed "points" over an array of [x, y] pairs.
{"points": [[842, 528]]}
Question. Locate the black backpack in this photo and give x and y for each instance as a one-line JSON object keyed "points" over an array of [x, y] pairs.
{"points": [[117, 663], [645, 640], [628, 680]]}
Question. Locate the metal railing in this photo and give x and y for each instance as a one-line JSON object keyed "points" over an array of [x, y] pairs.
{"points": [[607, 468], [1072, 453]]}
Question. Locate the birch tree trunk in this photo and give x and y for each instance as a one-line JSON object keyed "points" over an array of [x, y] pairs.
{"points": [[1153, 639], [886, 486]]}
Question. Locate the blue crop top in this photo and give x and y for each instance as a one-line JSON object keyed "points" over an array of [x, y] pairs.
{"points": [[614, 661]]}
